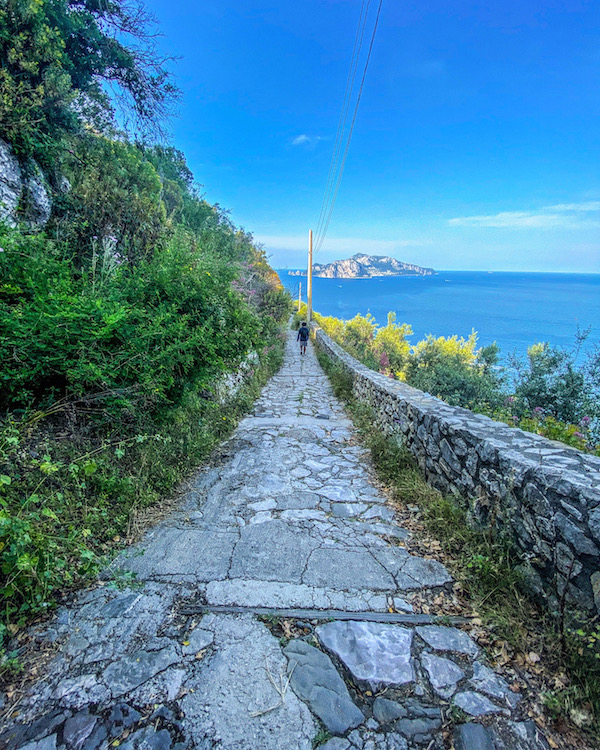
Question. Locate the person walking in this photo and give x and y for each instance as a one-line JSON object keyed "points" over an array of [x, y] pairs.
{"points": [[303, 335]]}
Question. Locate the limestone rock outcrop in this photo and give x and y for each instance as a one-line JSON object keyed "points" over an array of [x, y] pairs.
{"points": [[361, 266], [24, 192]]}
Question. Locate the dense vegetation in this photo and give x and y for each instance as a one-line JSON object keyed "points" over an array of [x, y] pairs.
{"points": [[547, 393], [118, 321]]}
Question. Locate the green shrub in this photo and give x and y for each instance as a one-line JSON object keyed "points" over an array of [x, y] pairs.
{"points": [[550, 395], [146, 330]]}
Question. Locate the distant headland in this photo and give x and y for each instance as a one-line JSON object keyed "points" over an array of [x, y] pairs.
{"points": [[362, 266]]}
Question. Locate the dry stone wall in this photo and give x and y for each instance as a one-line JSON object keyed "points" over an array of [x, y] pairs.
{"points": [[545, 495]]}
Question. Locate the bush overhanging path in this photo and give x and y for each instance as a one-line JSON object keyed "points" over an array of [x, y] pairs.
{"points": [[288, 516]]}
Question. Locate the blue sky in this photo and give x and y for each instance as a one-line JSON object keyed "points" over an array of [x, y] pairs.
{"points": [[477, 144]]}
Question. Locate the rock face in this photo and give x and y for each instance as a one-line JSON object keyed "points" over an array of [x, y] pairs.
{"points": [[24, 193], [11, 184], [542, 494], [361, 266]]}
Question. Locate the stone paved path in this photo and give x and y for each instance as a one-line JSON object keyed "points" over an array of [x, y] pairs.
{"points": [[287, 518]]}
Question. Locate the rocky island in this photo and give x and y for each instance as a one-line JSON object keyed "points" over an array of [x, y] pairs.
{"points": [[361, 266]]}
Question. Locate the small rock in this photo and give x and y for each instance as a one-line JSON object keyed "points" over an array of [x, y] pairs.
{"points": [[48, 743], [385, 710], [18, 734], [485, 680], [395, 741], [411, 728], [173, 680], [418, 710], [522, 735], [336, 743], [475, 704], [120, 605], [148, 739], [76, 644], [472, 737], [443, 674], [442, 638], [77, 692], [268, 504], [77, 729], [385, 514], [122, 717], [135, 669], [197, 640], [97, 738]]}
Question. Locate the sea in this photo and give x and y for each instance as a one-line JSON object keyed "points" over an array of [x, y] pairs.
{"points": [[515, 310]]}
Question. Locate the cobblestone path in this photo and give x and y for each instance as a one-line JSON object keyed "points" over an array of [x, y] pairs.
{"points": [[288, 517]]}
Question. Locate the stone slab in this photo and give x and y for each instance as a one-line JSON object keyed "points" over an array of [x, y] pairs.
{"points": [[225, 690], [315, 680], [442, 638], [485, 680], [374, 653], [133, 670], [443, 674], [476, 704], [472, 737], [273, 551], [251, 593], [347, 569], [204, 555]]}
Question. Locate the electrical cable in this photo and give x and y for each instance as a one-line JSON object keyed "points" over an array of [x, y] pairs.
{"points": [[337, 180], [344, 112]]}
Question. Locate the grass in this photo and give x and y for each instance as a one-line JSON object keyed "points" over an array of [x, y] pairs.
{"points": [[321, 737], [485, 565]]}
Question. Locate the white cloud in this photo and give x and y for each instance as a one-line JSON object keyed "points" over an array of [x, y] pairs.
{"points": [[300, 140], [306, 140], [504, 219], [562, 215], [588, 206]]}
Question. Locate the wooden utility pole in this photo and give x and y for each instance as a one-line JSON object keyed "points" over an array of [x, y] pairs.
{"points": [[309, 279], [299, 296]]}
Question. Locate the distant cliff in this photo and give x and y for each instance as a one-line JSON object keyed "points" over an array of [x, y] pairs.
{"points": [[362, 266]]}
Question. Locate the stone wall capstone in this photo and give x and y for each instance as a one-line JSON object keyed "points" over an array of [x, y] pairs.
{"points": [[544, 495]]}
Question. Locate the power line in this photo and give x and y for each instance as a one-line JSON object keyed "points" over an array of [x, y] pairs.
{"points": [[327, 211], [344, 111]]}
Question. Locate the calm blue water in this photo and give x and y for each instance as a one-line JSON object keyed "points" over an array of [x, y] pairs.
{"points": [[513, 309]]}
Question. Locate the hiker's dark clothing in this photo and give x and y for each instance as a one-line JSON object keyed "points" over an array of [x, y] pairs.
{"points": [[303, 334]]}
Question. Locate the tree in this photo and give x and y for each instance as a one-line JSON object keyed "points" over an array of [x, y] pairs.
{"points": [[56, 59], [391, 339], [116, 192]]}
